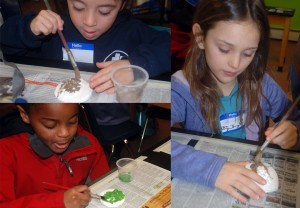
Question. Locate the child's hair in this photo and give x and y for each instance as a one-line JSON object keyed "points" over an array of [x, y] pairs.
{"points": [[203, 86]]}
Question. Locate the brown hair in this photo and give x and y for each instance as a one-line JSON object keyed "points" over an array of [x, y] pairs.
{"points": [[203, 85]]}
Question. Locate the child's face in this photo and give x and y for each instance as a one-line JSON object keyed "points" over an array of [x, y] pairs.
{"points": [[229, 48], [54, 124], [92, 18]]}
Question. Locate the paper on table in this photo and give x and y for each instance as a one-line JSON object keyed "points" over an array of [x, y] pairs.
{"points": [[166, 148], [148, 181], [41, 82], [286, 164]]}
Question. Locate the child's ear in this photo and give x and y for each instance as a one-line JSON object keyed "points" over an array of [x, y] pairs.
{"points": [[23, 115], [197, 31]]}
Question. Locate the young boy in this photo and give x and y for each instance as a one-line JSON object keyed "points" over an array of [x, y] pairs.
{"points": [[98, 32], [53, 149]]}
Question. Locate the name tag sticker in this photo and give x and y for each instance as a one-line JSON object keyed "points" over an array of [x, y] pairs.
{"points": [[82, 52], [231, 122]]}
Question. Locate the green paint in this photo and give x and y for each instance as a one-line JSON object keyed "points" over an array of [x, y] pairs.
{"points": [[295, 4], [113, 196], [125, 177]]}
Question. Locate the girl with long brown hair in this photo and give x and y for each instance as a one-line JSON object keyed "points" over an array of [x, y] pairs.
{"points": [[223, 89]]}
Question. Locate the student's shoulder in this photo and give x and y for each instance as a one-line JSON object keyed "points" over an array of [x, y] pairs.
{"points": [[89, 136], [178, 80], [14, 141], [269, 82]]}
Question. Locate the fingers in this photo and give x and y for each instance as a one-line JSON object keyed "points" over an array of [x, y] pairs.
{"points": [[247, 185], [46, 22], [77, 197], [234, 178], [234, 192], [101, 81], [285, 135]]}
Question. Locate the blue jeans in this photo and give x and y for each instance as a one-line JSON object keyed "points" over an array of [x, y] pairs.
{"points": [[295, 85]]}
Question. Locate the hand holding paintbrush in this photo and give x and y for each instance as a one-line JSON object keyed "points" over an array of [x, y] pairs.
{"points": [[258, 156], [78, 192], [70, 55]]}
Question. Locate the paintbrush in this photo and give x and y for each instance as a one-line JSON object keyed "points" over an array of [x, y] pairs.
{"points": [[258, 156], [94, 196], [63, 40]]}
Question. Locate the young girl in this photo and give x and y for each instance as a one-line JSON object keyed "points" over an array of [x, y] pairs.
{"points": [[52, 148], [98, 32], [224, 89]]}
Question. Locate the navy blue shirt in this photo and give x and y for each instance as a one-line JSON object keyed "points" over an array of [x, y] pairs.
{"points": [[128, 38]]}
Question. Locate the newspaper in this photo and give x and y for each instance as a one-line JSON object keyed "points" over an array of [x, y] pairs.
{"points": [[165, 147], [40, 83], [286, 164], [148, 181]]}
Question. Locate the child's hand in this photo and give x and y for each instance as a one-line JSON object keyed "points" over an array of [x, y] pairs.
{"points": [[78, 196], [46, 22], [234, 176], [285, 135], [101, 81]]}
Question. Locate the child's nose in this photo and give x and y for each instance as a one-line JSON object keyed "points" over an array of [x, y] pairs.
{"points": [[234, 61], [89, 19], [63, 131]]}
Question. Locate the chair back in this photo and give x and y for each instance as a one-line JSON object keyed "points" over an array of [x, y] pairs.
{"points": [[110, 134]]}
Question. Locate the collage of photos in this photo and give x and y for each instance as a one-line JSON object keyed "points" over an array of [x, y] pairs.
{"points": [[149, 103]]}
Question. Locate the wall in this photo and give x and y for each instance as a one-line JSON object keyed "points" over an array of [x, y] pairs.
{"points": [[276, 31], [295, 4]]}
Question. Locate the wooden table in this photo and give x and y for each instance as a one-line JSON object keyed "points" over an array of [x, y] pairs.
{"points": [[281, 16]]}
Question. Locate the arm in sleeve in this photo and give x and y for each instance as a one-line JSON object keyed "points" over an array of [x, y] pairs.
{"points": [[8, 195], [17, 37], [195, 166]]}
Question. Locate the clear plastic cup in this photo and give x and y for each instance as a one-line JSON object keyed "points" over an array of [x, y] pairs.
{"points": [[126, 169], [129, 81]]}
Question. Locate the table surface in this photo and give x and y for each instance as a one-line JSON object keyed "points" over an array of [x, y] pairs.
{"points": [[160, 162], [67, 65], [286, 164], [41, 82]]}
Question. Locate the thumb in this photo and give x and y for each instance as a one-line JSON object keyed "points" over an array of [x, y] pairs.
{"points": [[243, 163], [81, 188], [103, 64], [268, 133]]}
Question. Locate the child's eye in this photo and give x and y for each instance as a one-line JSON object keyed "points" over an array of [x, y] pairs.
{"points": [[49, 127], [73, 121], [78, 8], [104, 11], [248, 55], [223, 50]]}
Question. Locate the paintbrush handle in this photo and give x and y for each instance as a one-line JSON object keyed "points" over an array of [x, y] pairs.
{"points": [[63, 40], [94, 196], [56, 185]]}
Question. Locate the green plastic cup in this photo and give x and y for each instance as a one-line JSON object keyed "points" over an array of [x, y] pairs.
{"points": [[126, 169]]}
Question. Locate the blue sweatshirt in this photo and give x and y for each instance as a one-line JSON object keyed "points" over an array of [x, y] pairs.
{"points": [[201, 167], [128, 38]]}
